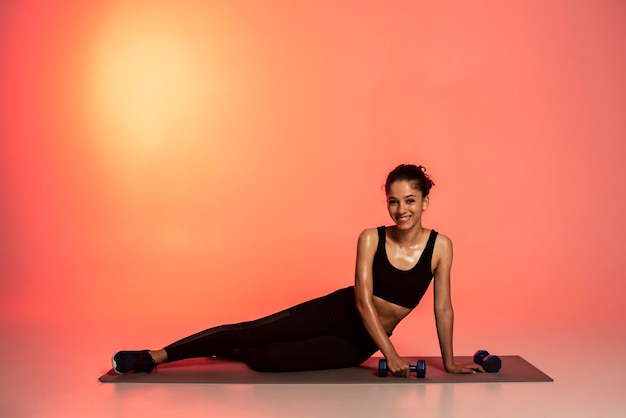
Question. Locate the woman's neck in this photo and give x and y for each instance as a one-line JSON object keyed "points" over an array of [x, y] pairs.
{"points": [[408, 237]]}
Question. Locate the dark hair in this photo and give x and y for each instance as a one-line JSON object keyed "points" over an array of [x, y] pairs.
{"points": [[413, 174]]}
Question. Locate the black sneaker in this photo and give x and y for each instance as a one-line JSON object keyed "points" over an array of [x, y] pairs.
{"points": [[135, 361]]}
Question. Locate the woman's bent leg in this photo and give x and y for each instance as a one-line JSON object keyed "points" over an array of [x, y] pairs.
{"points": [[310, 319]]}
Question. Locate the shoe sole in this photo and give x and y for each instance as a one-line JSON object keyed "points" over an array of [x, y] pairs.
{"points": [[115, 363]]}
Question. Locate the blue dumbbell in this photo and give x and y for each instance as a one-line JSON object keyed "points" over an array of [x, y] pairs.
{"points": [[419, 369], [490, 363]]}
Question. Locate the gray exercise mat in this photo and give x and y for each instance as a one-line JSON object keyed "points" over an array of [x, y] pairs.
{"points": [[213, 370]]}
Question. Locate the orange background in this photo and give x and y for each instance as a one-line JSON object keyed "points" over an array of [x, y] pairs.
{"points": [[168, 166]]}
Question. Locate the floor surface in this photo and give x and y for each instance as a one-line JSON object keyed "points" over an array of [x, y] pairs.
{"points": [[51, 368]]}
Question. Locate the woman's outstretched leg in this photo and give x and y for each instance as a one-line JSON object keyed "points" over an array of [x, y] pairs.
{"points": [[333, 314], [224, 339], [220, 340]]}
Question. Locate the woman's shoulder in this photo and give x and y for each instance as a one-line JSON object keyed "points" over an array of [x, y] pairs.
{"points": [[442, 241], [369, 234], [368, 238], [367, 244]]}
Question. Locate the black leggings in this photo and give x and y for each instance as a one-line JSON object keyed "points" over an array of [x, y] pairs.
{"points": [[324, 333]]}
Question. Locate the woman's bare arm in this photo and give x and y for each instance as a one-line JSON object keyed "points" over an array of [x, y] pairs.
{"points": [[368, 242], [444, 313]]}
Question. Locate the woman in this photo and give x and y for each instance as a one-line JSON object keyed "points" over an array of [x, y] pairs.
{"points": [[394, 268]]}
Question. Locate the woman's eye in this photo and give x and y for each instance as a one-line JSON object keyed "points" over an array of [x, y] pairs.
{"points": [[410, 201]]}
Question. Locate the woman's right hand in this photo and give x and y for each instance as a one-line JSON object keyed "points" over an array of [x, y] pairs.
{"points": [[398, 366]]}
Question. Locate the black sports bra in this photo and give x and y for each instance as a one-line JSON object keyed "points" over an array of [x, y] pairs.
{"points": [[402, 287]]}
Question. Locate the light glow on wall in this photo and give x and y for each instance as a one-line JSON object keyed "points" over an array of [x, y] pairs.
{"points": [[216, 161], [150, 80]]}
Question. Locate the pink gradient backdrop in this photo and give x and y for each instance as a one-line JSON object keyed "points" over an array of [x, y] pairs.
{"points": [[186, 163]]}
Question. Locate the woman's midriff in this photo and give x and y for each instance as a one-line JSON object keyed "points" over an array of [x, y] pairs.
{"points": [[389, 313]]}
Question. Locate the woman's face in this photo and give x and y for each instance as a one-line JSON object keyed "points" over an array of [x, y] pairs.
{"points": [[405, 204]]}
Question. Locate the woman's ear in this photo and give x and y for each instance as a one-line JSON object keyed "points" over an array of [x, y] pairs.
{"points": [[425, 203]]}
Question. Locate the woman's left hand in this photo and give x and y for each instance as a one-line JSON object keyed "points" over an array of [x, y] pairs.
{"points": [[465, 368]]}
